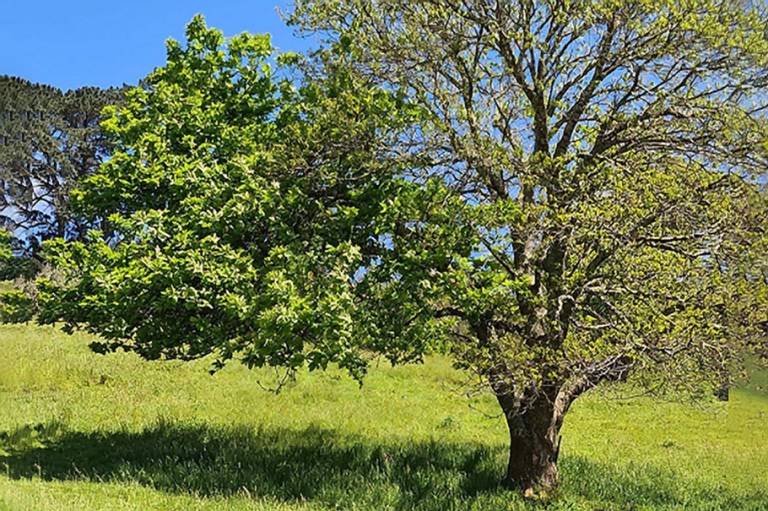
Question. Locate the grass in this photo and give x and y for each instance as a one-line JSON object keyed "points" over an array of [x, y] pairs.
{"points": [[79, 431]]}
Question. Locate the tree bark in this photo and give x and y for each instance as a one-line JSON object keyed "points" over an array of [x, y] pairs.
{"points": [[534, 437], [533, 447]]}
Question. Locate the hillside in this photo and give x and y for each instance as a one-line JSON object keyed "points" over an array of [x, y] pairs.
{"points": [[81, 431]]}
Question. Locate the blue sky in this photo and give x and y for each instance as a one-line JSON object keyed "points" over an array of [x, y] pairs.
{"points": [[85, 42]]}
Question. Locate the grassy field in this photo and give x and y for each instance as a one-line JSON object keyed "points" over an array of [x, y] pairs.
{"points": [[79, 431]]}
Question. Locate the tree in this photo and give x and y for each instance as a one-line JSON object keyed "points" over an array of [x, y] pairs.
{"points": [[627, 138], [49, 140], [27, 118], [239, 201], [561, 194]]}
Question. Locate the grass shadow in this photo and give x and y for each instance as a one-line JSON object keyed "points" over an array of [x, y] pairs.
{"points": [[290, 465], [324, 466]]}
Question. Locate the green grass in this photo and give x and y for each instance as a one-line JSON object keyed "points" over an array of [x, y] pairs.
{"points": [[79, 431]]}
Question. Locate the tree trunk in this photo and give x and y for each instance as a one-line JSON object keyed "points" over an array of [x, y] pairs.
{"points": [[533, 448], [534, 437]]}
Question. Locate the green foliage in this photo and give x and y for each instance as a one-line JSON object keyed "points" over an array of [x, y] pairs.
{"points": [[16, 307], [239, 207], [6, 250]]}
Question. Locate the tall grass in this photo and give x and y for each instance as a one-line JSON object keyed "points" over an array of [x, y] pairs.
{"points": [[83, 431]]}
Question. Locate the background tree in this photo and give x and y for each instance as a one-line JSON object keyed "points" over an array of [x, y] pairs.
{"points": [[561, 193], [49, 140]]}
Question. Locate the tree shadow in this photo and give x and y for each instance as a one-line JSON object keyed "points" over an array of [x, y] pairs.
{"points": [[322, 465], [285, 464]]}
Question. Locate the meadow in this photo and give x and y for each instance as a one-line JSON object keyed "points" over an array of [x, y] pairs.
{"points": [[80, 431]]}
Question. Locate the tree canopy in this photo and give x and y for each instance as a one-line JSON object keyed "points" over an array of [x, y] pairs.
{"points": [[558, 193], [237, 203]]}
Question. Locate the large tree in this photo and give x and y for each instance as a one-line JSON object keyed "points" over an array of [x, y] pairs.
{"points": [[559, 193], [49, 140], [627, 138]]}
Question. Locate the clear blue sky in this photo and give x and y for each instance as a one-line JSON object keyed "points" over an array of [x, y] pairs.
{"points": [[111, 42]]}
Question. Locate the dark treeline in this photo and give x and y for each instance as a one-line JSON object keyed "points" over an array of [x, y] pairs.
{"points": [[49, 140]]}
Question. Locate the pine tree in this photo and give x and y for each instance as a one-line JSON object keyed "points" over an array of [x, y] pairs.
{"points": [[49, 140]]}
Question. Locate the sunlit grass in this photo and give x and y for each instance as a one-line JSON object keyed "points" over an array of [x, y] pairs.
{"points": [[83, 431]]}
